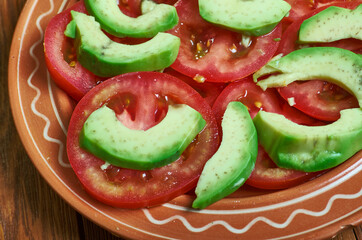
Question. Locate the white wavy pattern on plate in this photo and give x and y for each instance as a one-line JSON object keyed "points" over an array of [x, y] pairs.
{"points": [[38, 92], [357, 169], [147, 213], [246, 228]]}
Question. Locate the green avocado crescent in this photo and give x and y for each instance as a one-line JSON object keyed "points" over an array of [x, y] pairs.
{"points": [[107, 138], [336, 65], [332, 24], [233, 162], [253, 17], [106, 58], [155, 18], [310, 148]]}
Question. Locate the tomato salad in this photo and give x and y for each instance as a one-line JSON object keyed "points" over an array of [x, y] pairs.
{"points": [[214, 67]]}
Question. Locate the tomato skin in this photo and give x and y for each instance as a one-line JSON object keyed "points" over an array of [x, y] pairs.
{"points": [[317, 98], [297, 116], [170, 2], [130, 188], [131, 8], [74, 80], [289, 39], [251, 95], [303, 7], [217, 54], [69, 74], [209, 91], [266, 175], [299, 8]]}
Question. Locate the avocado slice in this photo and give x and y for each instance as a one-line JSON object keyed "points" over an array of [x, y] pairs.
{"points": [[306, 148], [336, 65], [156, 18], [332, 24], [106, 58], [253, 17], [106, 137], [234, 161]]}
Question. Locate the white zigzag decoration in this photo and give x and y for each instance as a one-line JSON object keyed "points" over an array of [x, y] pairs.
{"points": [[255, 220]]}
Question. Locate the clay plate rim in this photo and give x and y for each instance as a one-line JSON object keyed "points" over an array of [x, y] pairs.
{"points": [[87, 209]]}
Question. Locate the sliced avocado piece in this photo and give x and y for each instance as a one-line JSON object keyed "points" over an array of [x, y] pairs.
{"points": [[107, 138], [307, 148], [156, 18], [332, 24], [106, 58], [336, 65], [234, 161], [254, 17]]}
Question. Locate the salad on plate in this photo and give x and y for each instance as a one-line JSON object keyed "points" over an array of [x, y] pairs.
{"points": [[202, 97]]}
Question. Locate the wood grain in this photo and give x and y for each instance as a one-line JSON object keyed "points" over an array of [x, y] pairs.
{"points": [[29, 208]]}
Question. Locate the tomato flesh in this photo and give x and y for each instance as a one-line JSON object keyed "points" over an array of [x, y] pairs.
{"points": [[209, 91], [266, 175], [297, 116], [289, 40], [214, 54], [318, 98], [60, 57], [136, 98], [300, 8], [251, 95]]}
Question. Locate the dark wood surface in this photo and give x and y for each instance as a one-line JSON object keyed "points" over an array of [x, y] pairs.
{"points": [[29, 208]]}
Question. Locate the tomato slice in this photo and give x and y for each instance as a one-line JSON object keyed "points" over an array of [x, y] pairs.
{"points": [[141, 100], [251, 95], [297, 116], [267, 175], [209, 91], [300, 8], [210, 53], [317, 98], [170, 2], [289, 40], [60, 57], [131, 8], [303, 7]]}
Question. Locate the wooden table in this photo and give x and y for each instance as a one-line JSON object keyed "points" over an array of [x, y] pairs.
{"points": [[29, 208]]}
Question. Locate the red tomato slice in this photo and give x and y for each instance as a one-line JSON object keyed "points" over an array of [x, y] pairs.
{"points": [[300, 8], [251, 95], [61, 60], [131, 8], [209, 91], [60, 54], [319, 99], [141, 97], [210, 53], [289, 41], [297, 116], [170, 2], [303, 7], [266, 175]]}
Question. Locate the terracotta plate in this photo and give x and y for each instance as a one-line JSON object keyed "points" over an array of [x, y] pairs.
{"points": [[317, 209]]}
